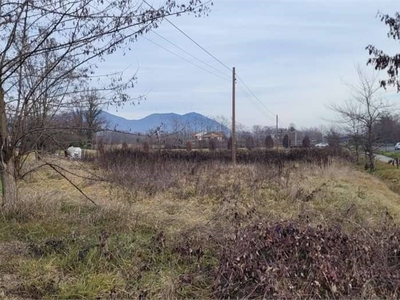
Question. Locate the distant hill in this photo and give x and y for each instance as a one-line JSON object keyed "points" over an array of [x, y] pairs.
{"points": [[169, 122]]}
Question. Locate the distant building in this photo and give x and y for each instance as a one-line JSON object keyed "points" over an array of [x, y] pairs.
{"points": [[201, 136], [198, 136]]}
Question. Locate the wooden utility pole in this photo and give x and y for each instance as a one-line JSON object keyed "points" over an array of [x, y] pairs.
{"points": [[233, 135]]}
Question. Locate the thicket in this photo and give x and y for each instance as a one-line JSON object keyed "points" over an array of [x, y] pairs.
{"points": [[315, 156], [294, 260]]}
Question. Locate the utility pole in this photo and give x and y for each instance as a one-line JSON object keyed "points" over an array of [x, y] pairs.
{"points": [[277, 132], [233, 146]]}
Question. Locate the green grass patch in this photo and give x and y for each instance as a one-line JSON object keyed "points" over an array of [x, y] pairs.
{"points": [[70, 261]]}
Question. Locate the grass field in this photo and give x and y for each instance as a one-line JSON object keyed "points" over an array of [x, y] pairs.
{"points": [[159, 234]]}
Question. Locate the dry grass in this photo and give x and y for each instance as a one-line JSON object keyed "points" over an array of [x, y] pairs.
{"points": [[151, 233]]}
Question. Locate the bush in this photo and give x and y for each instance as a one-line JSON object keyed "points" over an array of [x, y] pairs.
{"points": [[188, 146], [269, 142], [286, 141], [320, 157], [250, 143], [289, 260], [212, 144], [306, 142], [203, 144]]}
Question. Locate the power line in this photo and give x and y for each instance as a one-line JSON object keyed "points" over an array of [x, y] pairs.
{"points": [[188, 61], [253, 102], [219, 61], [254, 95], [190, 54], [181, 31], [215, 58]]}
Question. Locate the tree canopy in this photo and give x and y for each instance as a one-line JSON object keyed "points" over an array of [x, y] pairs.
{"points": [[49, 52], [382, 61]]}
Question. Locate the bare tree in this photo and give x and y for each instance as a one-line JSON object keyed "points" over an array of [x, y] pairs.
{"points": [[224, 123], [259, 134], [85, 120], [388, 128], [313, 133], [358, 116], [48, 51], [94, 122], [250, 144]]}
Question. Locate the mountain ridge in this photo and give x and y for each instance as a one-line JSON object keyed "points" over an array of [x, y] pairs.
{"points": [[167, 122]]}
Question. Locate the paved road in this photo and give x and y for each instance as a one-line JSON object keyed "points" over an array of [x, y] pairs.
{"points": [[387, 148]]}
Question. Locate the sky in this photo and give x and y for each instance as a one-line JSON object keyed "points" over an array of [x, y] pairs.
{"points": [[295, 56]]}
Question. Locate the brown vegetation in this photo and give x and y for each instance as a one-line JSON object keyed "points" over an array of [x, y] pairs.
{"points": [[178, 224]]}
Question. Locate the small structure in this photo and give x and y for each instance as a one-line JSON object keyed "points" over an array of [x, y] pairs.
{"points": [[198, 136], [205, 136]]}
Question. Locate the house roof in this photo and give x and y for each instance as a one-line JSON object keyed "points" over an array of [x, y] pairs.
{"points": [[214, 134]]}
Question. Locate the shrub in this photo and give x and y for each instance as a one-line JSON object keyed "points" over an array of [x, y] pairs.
{"points": [[250, 143], [212, 144], [269, 142], [203, 144], [188, 146], [306, 142], [286, 141], [295, 260], [319, 157]]}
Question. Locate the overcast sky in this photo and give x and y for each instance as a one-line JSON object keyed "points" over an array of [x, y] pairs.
{"points": [[294, 55]]}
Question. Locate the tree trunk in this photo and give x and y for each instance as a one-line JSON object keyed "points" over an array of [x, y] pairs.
{"points": [[357, 153], [371, 158], [371, 155], [11, 202]]}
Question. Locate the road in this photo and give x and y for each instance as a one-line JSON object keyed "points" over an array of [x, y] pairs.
{"points": [[387, 148]]}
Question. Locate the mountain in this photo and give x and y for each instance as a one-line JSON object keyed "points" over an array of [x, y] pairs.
{"points": [[169, 122]]}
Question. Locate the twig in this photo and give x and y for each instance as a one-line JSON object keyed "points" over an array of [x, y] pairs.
{"points": [[32, 170], [73, 184], [98, 178]]}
